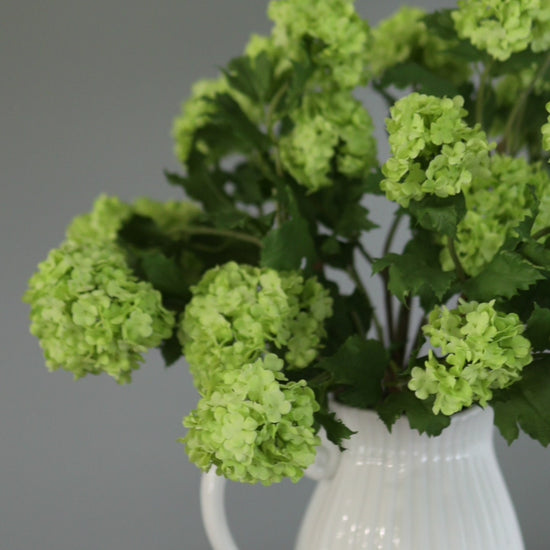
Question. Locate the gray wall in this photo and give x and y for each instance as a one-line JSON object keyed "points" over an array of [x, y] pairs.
{"points": [[87, 96]]}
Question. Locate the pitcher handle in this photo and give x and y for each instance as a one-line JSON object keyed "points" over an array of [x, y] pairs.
{"points": [[214, 517]]}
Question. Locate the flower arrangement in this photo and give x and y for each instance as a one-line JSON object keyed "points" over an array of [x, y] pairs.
{"points": [[243, 277]]}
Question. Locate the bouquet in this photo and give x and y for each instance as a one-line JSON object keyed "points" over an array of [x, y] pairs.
{"points": [[260, 276]]}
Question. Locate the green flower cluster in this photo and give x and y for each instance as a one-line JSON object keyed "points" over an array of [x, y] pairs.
{"points": [[483, 349], [239, 312], [546, 131], [256, 426], [89, 311], [502, 27], [404, 37], [331, 130], [495, 205], [91, 314], [339, 38], [434, 151]]}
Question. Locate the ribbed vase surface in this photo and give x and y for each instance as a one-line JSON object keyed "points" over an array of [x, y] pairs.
{"points": [[406, 491]]}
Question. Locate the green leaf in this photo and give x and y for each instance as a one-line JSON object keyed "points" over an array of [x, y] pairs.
{"points": [[440, 23], [418, 412], [359, 365], [524, 405], [335, 429], [164, 273], [171, 350], [230, 121], [505, 276], [286, 247], [410, 74], [417, 272], [253, 77], [538, 328], [441, 215]]}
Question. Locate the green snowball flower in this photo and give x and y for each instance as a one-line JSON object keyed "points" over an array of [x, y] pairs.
{"points": [[330, 130], [504, 27], [495, 206], [405, 37], [483, 350], [256, 426], [339, 38], [239, 312], [434, 151], [91, 314]]}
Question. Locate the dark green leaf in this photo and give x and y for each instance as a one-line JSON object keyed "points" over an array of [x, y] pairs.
{"points": [[505, 276], [335, 429], [286, 247], [524, 405], [253, 77], [164, 273], [418, 412], [171, 349], [417, 272], [359, 366], [538, 328], [229, 120], [410, 74], [441, 215]]}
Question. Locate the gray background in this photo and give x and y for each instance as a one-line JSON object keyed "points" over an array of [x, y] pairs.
{"points": [[87, 96]]}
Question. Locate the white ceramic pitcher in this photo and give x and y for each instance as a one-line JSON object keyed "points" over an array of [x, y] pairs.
{"points": [[398, 491]]}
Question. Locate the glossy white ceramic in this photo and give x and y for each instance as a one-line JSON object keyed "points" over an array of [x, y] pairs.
{"points": [[399, 491]]}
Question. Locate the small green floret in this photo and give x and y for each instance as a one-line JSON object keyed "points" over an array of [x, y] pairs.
{"points": [[434, 151], [331, 130], [240, 312], [256, 426], [495, 206], [502, 27], [404, 37], [338, 38], [91, 314], [483, 351]]}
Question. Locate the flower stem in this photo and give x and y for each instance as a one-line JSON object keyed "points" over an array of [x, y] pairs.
{"points": [[237, 235]]}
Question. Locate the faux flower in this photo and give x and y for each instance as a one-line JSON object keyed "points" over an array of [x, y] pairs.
{"points": [[495, 205], [256, 426], [405, 37], [91, 315], [240, 312], [434, 151], [339, 38], [502, 27], [330, 130], [483, 350]]}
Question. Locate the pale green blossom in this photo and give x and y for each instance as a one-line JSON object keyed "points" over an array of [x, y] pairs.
{"points": [[255, 426], [483, 350], [495, 205], [330, 130], [91, 314], [339, 38], [240, 312], [504, 27], [434, 151], [404, 37]]}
